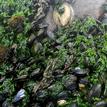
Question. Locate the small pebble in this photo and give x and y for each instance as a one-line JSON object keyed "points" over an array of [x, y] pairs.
{"points": [[61, 102]]}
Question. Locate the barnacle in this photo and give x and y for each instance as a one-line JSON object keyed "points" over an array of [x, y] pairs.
{"points": [[66, 17]]}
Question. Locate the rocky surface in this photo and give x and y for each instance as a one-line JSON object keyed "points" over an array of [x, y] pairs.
{"points": [[88, 7]]}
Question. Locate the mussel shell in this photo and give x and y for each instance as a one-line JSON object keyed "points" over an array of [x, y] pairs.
{"points": [[6, 104], [83, 81], [92, 30], [2, 79], [95, 91], [41, 95], [35, 105], [21, 78], [80, 72], [72, 87], [101, 104], [50, 104], [19, 96], [37, 46], [63, 95], [36, 74], [3, 96], [70, 82], [58, 73]]}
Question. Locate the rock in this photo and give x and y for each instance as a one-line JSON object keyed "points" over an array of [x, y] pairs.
{"points": [[93, 8]]}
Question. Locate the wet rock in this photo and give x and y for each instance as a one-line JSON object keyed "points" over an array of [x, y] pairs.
{"points": [[66, 10], [93, 8], [41, 95]]}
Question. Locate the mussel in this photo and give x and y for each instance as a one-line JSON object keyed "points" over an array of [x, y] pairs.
{"points": [[101, 104], [80, 72], [20, 95], [69, 82], [95, 92]]}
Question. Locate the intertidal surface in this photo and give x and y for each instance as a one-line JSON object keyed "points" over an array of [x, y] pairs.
{"points": [[43, 64]]}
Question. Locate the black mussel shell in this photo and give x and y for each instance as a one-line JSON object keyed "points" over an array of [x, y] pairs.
{"points": [[36, 74], [80, 72], [35, 105], [94, 30], [71, 87], [50, 104], [3, 96], [58, 73], [7, 104], [83, 81], [41, 95], [70, 82], [19, 96], [21, 78], [101, 104], [63, 95], [2, 79], [95, 91]]}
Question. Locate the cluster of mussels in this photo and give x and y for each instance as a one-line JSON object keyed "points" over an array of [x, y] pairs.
{"points": [[69, 71]]}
